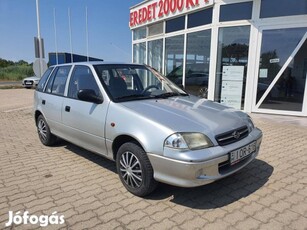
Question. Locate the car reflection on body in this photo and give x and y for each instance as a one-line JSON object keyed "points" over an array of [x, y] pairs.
{"points": [[30, 82], [152, 129]]}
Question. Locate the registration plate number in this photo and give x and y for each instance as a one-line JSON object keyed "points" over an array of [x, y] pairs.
{"points": [[28, 83], [241, 153]]}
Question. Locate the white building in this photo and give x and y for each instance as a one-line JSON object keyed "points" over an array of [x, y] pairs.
{"points": [[249, 54]]}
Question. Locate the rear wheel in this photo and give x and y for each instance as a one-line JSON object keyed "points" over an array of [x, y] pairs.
{"points": [[135, 170], [43, 130]]}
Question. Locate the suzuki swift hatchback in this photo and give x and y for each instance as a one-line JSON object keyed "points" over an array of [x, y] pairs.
{"points": [[154, 130]]}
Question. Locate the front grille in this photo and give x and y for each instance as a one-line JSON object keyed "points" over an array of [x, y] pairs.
{"points": [[28, 82], [232, 136]]}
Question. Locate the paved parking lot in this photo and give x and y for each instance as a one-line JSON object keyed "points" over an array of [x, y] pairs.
{"points": [[271, 193]]}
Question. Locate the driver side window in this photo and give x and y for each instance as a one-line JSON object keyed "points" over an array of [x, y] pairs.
{"points": [[82, 78]]}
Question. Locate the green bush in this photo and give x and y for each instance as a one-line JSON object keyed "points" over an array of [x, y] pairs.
{"points": [[16, 72]]}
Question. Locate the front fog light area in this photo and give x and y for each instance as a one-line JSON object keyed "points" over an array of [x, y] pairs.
{"points": [[190, 141]]}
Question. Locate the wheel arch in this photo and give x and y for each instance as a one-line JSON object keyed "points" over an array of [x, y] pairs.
{"points": [[122, 139], [36, 115]]}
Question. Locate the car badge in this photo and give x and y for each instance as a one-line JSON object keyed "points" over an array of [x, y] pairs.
{"points": [[236, 135]]}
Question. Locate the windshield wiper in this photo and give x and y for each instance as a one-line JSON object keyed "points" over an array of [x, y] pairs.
{"points": [[132, 96], [170, 94], [142, 96]]}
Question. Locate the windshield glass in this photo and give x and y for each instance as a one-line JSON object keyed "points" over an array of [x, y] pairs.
{"points": [[135, 82]]}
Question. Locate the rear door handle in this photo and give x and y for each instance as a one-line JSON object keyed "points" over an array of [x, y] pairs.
{"points": [[67, 108], [43, 102]]}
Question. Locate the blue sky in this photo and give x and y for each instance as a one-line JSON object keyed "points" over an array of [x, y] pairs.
{"points": [[108, 26]]}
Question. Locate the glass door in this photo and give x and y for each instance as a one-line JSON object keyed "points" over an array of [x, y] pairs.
{"points": [[282, 72], [232, 63]]}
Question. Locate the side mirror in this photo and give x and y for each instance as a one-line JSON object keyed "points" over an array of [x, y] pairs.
{"points": [[89, 95]]}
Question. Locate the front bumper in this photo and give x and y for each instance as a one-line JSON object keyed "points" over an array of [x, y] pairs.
{"points": [[29, 84], [197, 173]]}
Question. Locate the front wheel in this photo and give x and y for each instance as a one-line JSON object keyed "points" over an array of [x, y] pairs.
{"points": [[43, 130], [135, 170]]}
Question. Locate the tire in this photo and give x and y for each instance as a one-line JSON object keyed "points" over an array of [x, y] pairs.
{"points": [[134, 169], [43, 130]]}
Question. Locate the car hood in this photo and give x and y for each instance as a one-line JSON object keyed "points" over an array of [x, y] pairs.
{"points": [[34, 78], [189, 114]]}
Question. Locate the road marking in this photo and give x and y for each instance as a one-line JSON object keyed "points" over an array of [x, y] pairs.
{"points": [[17, 109]]}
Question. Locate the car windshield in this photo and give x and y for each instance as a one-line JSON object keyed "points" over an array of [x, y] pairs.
{"points": [[135, 82]]}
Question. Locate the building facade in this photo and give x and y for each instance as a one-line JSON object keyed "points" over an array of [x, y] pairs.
{"points": [[248, 54]]}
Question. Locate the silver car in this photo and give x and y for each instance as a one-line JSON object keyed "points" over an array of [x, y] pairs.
{"points": [[154, 130], [30, 82]]}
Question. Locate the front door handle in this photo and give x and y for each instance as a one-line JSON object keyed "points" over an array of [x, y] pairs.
{"points": [[67, 108], [43, 102]]}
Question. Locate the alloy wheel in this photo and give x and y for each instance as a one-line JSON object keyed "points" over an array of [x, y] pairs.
{"points": [[42, 129], [130, 169]]}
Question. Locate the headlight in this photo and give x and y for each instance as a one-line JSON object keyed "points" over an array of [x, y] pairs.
{"points": [[187, 141]]}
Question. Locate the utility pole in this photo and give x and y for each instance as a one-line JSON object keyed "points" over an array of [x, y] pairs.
{"points": [[40, 44], [70, 38], [86, 27]]}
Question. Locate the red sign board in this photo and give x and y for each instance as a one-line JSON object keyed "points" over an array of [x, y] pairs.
{"points": [[157, 10]]}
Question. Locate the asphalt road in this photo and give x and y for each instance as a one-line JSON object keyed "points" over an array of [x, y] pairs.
{"points": [[10, 82]]}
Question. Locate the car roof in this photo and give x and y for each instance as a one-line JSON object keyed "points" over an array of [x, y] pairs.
{"points": [[96, 63]]}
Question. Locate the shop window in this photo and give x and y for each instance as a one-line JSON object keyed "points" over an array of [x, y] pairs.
{"points": [[139, 33], [278, 8], [175, 24], [282, 82], [232, 62], [173, 53], [197, 64], [236, 11], [155, 54], [200, 18], [139, 53], [155, 29]]}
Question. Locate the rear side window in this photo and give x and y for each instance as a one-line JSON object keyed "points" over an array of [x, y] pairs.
{"points": [[57, 81], [43, 80]]}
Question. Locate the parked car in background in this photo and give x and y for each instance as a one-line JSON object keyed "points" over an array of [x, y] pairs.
{"points": [[196, 78], [153, 130], [30, 82]]}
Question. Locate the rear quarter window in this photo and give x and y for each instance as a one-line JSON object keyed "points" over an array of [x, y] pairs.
{"points": [[57, 80], [42, 82]]}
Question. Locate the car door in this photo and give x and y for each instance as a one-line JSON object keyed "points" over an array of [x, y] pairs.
{"points": [[84, 121], [52, 98]]}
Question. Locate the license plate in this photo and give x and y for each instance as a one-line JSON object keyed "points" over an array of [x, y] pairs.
{"points": [[241, 153], [29, 83]]}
